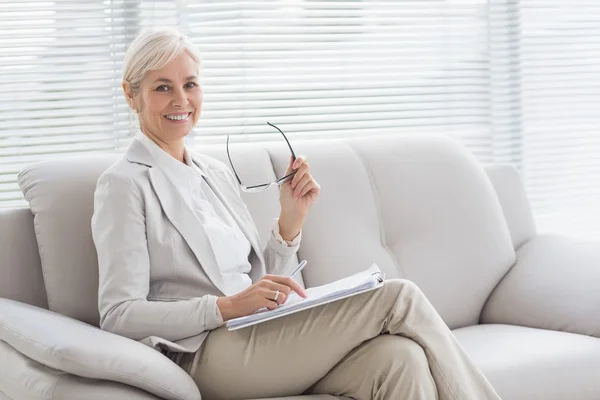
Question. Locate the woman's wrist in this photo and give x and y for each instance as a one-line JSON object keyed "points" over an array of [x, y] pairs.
{"points": [[290, 227], [225, 306]]}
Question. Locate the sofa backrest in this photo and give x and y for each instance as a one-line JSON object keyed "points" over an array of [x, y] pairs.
{"points": [[423, 209]]}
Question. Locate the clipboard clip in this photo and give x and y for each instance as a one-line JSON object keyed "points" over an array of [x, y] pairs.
{"points": [[380, 276]]}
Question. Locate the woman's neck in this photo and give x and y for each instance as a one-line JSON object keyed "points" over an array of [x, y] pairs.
{"points": [[175, 149]]}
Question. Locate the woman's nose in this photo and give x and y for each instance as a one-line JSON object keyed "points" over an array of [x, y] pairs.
{"points": [[180, 98]]}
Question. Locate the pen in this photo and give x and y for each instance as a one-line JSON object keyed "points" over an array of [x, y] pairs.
{"points": [[298, 268]]}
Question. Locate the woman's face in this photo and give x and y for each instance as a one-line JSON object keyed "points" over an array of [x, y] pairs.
{"points": [[169, 101]]}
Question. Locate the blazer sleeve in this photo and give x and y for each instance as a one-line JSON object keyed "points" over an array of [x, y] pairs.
{"points": [[119, 234], [278, 255]]}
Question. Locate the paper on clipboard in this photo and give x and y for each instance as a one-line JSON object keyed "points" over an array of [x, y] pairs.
{"points": [[361, 282]]}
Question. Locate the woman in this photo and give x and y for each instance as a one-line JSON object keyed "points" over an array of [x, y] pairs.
{"points": [[179, 255]]}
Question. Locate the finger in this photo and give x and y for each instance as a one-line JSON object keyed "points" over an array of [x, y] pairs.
{"points": [[298, 162], [312, 186], [273, 286], [274, 295], [282, 298], [268, 300], [270, 304], [286, 280], [300, 173], [270, 287], [294, 164], [300, 186]]}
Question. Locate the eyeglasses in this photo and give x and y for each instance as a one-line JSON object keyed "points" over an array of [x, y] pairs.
{"points": [[264, 186]]}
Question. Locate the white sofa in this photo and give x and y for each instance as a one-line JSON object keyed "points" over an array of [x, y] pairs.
{"points": [[525, 306]]}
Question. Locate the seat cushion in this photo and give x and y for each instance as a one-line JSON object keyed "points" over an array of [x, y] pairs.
{"points": [[24, 379], [535, 364]]}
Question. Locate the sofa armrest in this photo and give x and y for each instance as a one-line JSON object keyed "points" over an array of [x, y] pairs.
{"points": [[72, 346], [553, 285]]}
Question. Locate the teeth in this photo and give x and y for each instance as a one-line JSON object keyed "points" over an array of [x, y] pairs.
{"points": [[178, 117]]}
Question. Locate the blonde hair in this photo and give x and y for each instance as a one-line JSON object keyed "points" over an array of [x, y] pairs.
{"points": [[152, 49]]}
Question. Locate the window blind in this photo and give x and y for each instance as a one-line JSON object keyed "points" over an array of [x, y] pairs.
{"points": [[560, 98], [494, 74], [59, 82]]}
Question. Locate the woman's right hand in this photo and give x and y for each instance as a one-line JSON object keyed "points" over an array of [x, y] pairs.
{"points": [[260, 295]]}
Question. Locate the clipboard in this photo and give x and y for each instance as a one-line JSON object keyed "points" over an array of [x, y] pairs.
{"points": [[365, 281]]}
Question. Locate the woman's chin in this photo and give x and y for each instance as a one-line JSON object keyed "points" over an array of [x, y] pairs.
{"points": [[178, 131]]}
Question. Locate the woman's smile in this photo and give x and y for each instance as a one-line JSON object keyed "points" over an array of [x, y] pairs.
{"points": [[178, 118]]}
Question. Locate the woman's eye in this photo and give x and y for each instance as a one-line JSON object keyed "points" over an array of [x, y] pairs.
{"points": [[162, 88], [191, 85]]}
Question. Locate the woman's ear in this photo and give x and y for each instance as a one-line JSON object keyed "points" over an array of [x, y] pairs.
{"points": [[129, 95]]}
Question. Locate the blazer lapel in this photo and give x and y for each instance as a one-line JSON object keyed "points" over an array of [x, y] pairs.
{"points": [[180, 214], [229, 197]]}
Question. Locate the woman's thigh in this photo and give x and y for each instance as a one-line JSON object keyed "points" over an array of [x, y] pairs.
{"points": [[287, 355]]}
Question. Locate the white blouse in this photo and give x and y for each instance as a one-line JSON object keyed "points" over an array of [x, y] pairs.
{"points": [[229, 244]]}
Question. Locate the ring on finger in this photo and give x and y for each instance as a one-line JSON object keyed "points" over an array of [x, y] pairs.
{"points": [[276, 296]]}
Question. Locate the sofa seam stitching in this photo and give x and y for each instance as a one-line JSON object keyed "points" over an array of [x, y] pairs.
{"points": [[375, 193]]}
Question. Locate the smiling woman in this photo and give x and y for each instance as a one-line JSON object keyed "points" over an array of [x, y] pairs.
{"points": [[161, 86], [176, 294]]}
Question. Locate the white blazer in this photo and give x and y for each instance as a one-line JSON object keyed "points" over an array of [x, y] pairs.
{"points": [[158, 275]]}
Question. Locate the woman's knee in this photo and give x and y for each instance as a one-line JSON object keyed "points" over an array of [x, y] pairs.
{"points": [[399, 286], [400, 356]]}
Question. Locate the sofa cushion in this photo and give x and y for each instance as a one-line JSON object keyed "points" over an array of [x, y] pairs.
{"points": [[535, 364], [60, 194], [65, 344], [24, 379], [422, 208]]}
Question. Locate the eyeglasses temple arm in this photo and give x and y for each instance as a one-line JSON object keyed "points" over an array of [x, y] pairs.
{"points": [[230, 163], [286, 139]]}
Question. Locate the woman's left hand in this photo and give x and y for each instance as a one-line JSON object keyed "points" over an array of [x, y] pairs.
{"points": [[297, 196]]}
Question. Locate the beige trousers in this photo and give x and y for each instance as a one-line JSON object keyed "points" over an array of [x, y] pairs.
{"points": [[389, 343]]}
